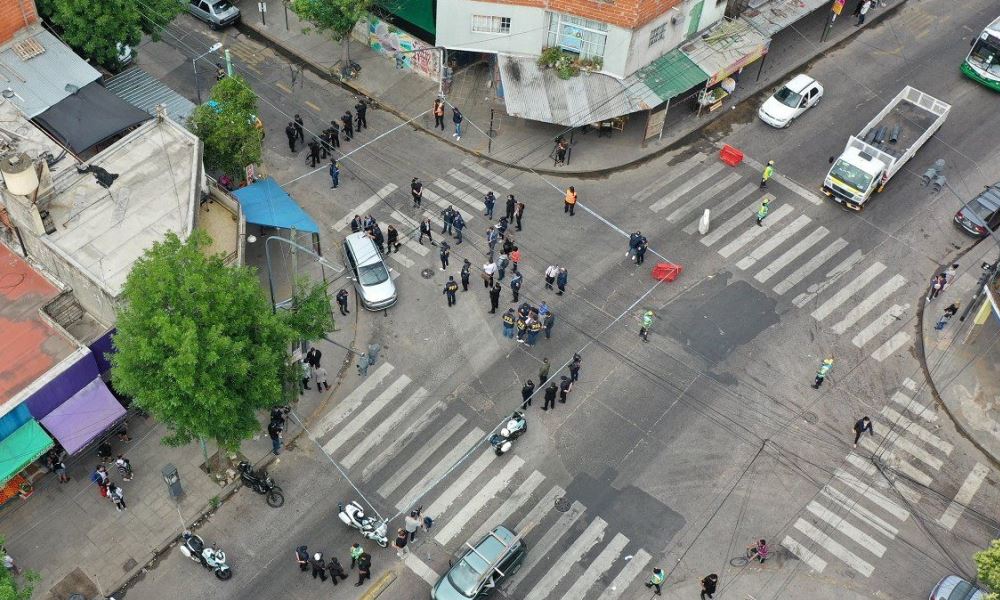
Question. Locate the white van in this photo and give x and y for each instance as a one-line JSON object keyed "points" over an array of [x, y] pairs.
{"points": [[370, 273]]}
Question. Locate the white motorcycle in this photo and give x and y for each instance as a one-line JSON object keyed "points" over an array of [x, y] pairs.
{"points": [[354, 516], [212, 558], [503, 440]]}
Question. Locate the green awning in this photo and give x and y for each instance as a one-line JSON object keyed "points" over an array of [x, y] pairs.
{"points": [[671, 74], [418, 12], [22, 447]]}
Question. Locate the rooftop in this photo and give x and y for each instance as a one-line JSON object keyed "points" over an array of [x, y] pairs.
{"points": [[29, 62]]}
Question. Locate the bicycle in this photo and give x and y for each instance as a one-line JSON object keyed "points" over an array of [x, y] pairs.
{"points": [[751, 554], [350, 70]]}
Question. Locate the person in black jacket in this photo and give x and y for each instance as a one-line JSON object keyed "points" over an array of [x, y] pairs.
{"points": [[550, 396], [361, 110], [302, 558], [318, 566], [336, 570]]}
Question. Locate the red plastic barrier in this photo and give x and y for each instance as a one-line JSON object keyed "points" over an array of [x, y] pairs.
{"points": [[731, 156], [667, 271]]}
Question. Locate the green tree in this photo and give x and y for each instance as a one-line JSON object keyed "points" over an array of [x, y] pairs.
{"points": [[228, 127], [198, 346], [988, 565], [11, 588], [336, 16]]}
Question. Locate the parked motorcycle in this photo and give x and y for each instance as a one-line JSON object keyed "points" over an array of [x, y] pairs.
{"points": [[213, 558], [354, 516], [261, 482], [502, 441]]}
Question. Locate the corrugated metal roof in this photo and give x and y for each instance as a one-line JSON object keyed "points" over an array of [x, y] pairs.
{"points": [[143, 91], [671, 74], [771, 17], [45, 79], [725, 47]]}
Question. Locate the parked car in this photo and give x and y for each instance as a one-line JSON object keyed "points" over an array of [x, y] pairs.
{"points": [[217, 13], [794, 98], [370, 273], [982, 213], [954, 587], [478, 572]]}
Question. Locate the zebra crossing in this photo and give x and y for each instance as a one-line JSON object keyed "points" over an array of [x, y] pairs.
{"points": [[389, 416], [788, 252], [858, 512]]}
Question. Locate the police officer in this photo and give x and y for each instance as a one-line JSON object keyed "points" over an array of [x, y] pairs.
{"points": [[445, 252], [466, 273], [318, 566], [334, 132], [534, 328], [324, 143], [302, 558], [300, 130], [342, 301], [459, 224], [448, 216], [348, 121], [362, 114], [291, 135], [565, 387], [508, 323], [495, 297], [574, 368], [449, 290], [526, 392], [522, 328], [550, 396], [548, 321], [313, 152], [515, 285]]}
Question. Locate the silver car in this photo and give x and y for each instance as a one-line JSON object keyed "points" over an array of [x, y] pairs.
{"points": [[370, 273], [954, 587], [217, 13]]}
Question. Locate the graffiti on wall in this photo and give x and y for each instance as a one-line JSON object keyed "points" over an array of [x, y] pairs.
{"points": [[396, 44]]}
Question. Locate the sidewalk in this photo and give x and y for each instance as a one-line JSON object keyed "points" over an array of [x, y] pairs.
{"points": [[963, 359], [526, 144]]}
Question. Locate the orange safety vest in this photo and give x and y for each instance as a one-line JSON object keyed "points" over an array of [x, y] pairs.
{"points": [[570, 197]]}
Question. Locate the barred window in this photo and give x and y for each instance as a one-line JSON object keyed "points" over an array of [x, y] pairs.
{"points": [[577, 35], [656, 34], [489, 24]]}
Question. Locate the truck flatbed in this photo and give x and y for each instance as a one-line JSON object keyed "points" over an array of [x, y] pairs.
{"points": [[912, 120]]}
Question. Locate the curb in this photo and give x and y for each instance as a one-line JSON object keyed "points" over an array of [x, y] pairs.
{"points": [[379, 586], [326, 75]]}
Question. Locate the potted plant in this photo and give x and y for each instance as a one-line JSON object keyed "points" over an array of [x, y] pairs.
{"points": [[549, 57], [25, 490]]}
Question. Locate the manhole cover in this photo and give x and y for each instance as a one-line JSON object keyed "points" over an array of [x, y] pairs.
{"points": [[810, 417], [129, 565], [562, 504], [427, 273]]}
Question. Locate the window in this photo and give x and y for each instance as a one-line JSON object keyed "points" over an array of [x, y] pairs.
{"points": [[656, 34], [488, 24], [578, 36]]}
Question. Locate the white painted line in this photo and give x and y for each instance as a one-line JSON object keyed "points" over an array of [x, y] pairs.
{"points": [[752, 230], [865, 306], [627, 575], [439, 469], [597, 568], [852, 287], [366, 206], [890, 316], [706, 194], [420, 568], [593, 534], [466, 180], [842, 525], [869, 492], [791, 254], [889, 348], [873, 520], [741, 218], [964, 496], [401, 259], [467, 478], [897, 463], [433, 197], [814, 263], [673, 173], [454, 524], [489, 175], [721, 209], [814, 562], [398, 441], [862, 465], [541, 548], [773, 242], [541, 508], [689, 184], [786, 182], [917, 430], [904, 444], [829, 279], [914, 407], [371, 410], [428, 448], [835, 548], [366, 445], [910, 384], [869, 469], [454, 192], [408, 223], [511, 504], [351, 402]]}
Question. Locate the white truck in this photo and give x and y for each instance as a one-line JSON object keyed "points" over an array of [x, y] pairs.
{"points": [[884, 145]]}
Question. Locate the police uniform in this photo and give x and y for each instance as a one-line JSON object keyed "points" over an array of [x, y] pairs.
{"points": [[508, 323], [449, 290]]}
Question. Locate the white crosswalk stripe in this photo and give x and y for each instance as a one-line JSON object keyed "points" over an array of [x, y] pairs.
{"points": [[468, 476], [898, 441], [964, 496], [541, 548], [834, 547], [910, 384], [866, 467], [439, 469], [363, 208], [420, 568], [540, 509], [918, 431], [913, 407], [401, 259], [688, 185], [703, 196], [593, 534], [427, 449], [402, 439], [454, 192], [804, 554], [773, 242], [352, 401], [353, 426], [786, 182], [889, 348], [894, 461], [721, 209], [791, 254], [753, 231], [489, 175], [890, 316], [811, 265], [406, 239], [869, 493], [844, 526], [510, 505], [469, 181], [484, 494], [852, 287], [436, 199], [865, 306], [829, 279], [416, 401], [674, 172], [624, 578], [742, 218], [597, 568], [855, 508]]}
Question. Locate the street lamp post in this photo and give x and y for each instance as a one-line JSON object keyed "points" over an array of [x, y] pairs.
{"points": [[194, 63], [267, 256]]}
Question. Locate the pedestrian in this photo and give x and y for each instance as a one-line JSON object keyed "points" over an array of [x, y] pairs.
{"points": [[124, 468], [117, 495], [548, 321], [656, 580], [489, 201], [334, 175], [392, 239], [518, 214], [570, 203], [439, 113], [444, 252], [318, 566], [489, 270], [302, 558], [515, 258], [534, 328], [400, 542], [291, 135], [220, 72], [562, 278], [633, 244], [574, 368], [320, 375], [104, 451], [857, 8], [305, 374], [647, 323], [561, 147], [336, 570], [521, 324], [565, 387], [526, 392], [342, 301], [356, 552], [937, 284], [767, 174], [495, 297], [640, 251], [364, 568], [865, 7], [824, 370], [274, 432], [300, 131], [863, 425], [543, 371], [762, 211], [334, 132], [60, 469], [456, 118], [417, 191], [449, 290], [492, 236], [356, 224], [122, 434], [313, 152], [550, 276], [510, 206], [412, 523], [348, 121], [466, 273], [949, 275], [502, 263], [508, 323], [102, 479], [448, 218], [313, 357], [425, 230], [361, 114], [708, 586], [949, 312], [324, 143], [550, 396], [459, 224], [515, 285]]}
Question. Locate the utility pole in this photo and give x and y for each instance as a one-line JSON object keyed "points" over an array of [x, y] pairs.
{"points": [[835, 10]]}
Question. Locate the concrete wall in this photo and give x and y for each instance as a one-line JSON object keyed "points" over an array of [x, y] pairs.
{"points": [[454, 27], [640, 53], [406, 51]]}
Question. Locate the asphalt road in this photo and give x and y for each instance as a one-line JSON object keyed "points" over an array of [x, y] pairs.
{"points": [[680, 450]]}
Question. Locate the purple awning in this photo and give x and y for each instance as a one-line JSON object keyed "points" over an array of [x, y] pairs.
{"points": [[82, 418]]}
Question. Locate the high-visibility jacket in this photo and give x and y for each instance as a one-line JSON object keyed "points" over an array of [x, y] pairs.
{"points": [[762, 211], [768, 172], [647, 321], [570, 197]]}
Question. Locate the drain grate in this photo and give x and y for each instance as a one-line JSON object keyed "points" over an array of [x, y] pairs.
{"points": [[562, 504], [427, 273]]}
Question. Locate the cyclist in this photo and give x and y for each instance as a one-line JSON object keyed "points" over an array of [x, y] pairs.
{"points": [[758, 551]]}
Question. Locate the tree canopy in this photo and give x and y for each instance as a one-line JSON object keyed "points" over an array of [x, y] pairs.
{"points": [[227, 126], [336, 16], [988, 564], [198, 346], [11, 588]]}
